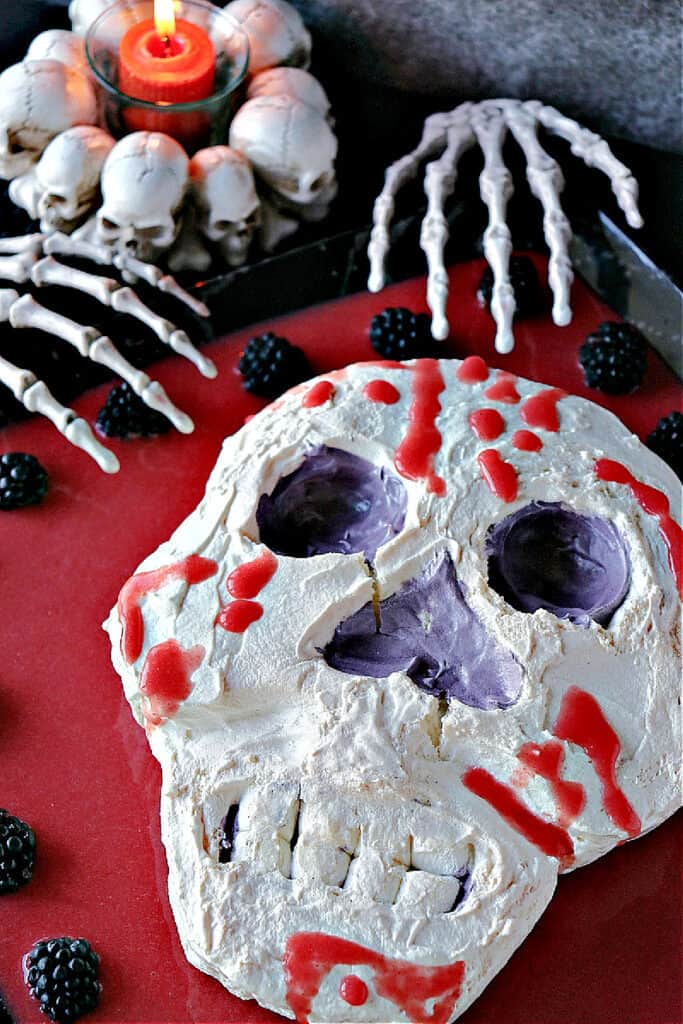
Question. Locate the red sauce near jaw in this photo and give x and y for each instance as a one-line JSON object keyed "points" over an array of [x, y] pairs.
{"points": [[654, 503], [193, 569], [165, 679], [473, 370], [310, 956], [541, 409], [415, 455], [248, 580], [547, 760], [353, 990], [526, 441], [500, 475], [381, 391], [318, 394], [487, 424], [504, 389]]}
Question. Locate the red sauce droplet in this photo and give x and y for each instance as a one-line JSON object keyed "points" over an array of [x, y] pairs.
{"points": [[381, 391], [165, 679], [318, 394], [415, 455], [237, 616], [546, 760], [551, 839], [473, 370], [353, 990], [193, 569], [541, 409], [526, 441], [504, 389], [310, 956], [248, 580], [654, 503], [388, 364], [487, 424], [500, 475], [581, 721]]}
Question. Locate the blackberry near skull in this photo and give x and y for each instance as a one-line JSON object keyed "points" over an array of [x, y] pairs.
{"points": [[613, 358], [526, 286], [62, 975], [398, 333], [124, 414], [666, 440], [17, 852], [270, 365], [23, 481]]}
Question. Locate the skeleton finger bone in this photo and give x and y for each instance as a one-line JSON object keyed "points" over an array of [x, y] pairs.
{"points": [[22, 244], [134, 270]]}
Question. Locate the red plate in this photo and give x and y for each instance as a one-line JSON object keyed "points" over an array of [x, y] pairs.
{"points": [[75, 765]]}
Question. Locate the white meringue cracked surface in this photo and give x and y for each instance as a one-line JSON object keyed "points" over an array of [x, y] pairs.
{"points": [[398, 826]]}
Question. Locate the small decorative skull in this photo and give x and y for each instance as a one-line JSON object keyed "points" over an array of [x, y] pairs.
{"points": [[57, 44], [277, 34], [144, 182], [291, 82], [227, 202], [38, 100]]}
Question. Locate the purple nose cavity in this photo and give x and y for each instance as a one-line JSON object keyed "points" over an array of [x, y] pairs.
{"points": [[546, 556], [333, 502], [427, 630]]}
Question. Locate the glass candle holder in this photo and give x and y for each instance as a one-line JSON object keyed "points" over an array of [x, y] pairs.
{"points": [[195, 124]]}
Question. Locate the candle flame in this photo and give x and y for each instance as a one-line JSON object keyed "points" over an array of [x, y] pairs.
{"points": [[164, 18]]}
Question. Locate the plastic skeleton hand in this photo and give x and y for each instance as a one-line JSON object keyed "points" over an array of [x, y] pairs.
{"points": [[487, 124], [29, 260]]}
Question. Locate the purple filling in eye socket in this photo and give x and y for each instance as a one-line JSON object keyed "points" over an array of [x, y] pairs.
{"points": [[428, 631], [228, 833], [334, 501], [546, 556]]}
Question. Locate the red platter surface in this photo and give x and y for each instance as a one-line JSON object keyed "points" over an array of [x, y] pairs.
{"points": [[75, 765]]}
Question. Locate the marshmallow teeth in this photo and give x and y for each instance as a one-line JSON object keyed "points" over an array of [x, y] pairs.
{"points": [[402, 665]]}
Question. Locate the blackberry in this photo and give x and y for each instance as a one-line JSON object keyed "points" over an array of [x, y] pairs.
{"points": [[529, 297], [270, 365], [666, 440], [124, 414], [398, 333], [62, 975], [613, 358], [23, 481], [5, 1016], [17, 852]]}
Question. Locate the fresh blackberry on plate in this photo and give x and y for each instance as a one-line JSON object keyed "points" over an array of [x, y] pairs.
{"points": [[62, 975], [124, 414], [23, 481], [613, 358], [5, 1016], [398, 333], [17, 852], [529, 297], [666, 440], [270, 365]]}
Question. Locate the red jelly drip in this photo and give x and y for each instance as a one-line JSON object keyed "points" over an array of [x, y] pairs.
{"points": [[381, 391], [165, 679], [473, 370], [653, 503], [504, 389], [526, 441], [546, 760], [415, 454], [318, 394], [541, 410], [310, 956], [193, 569], [551, 839], [500, 475], [487, 424], [353, 990], [239, 615], [249, 580], [581, 721]]}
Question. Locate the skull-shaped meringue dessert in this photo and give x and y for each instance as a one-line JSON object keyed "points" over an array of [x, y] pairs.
{"points": [[58, 44], [38, 100], [226, 200], [291, 82], [63, 188], [144, 183], [277, 34]]}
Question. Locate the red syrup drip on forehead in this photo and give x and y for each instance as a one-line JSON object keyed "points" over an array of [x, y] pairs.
{"points": [[551, 839], [381, 391], [500, 475], [654, 503], [541, 409], [526, 441], [193, 569], [237, 616], [504, 389], [353, 990], [318, 394], [472, 370], [546, 760], [310, 956], [165, 679], [581, 721], [415, 455], [487, 424], [248, 580]]}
